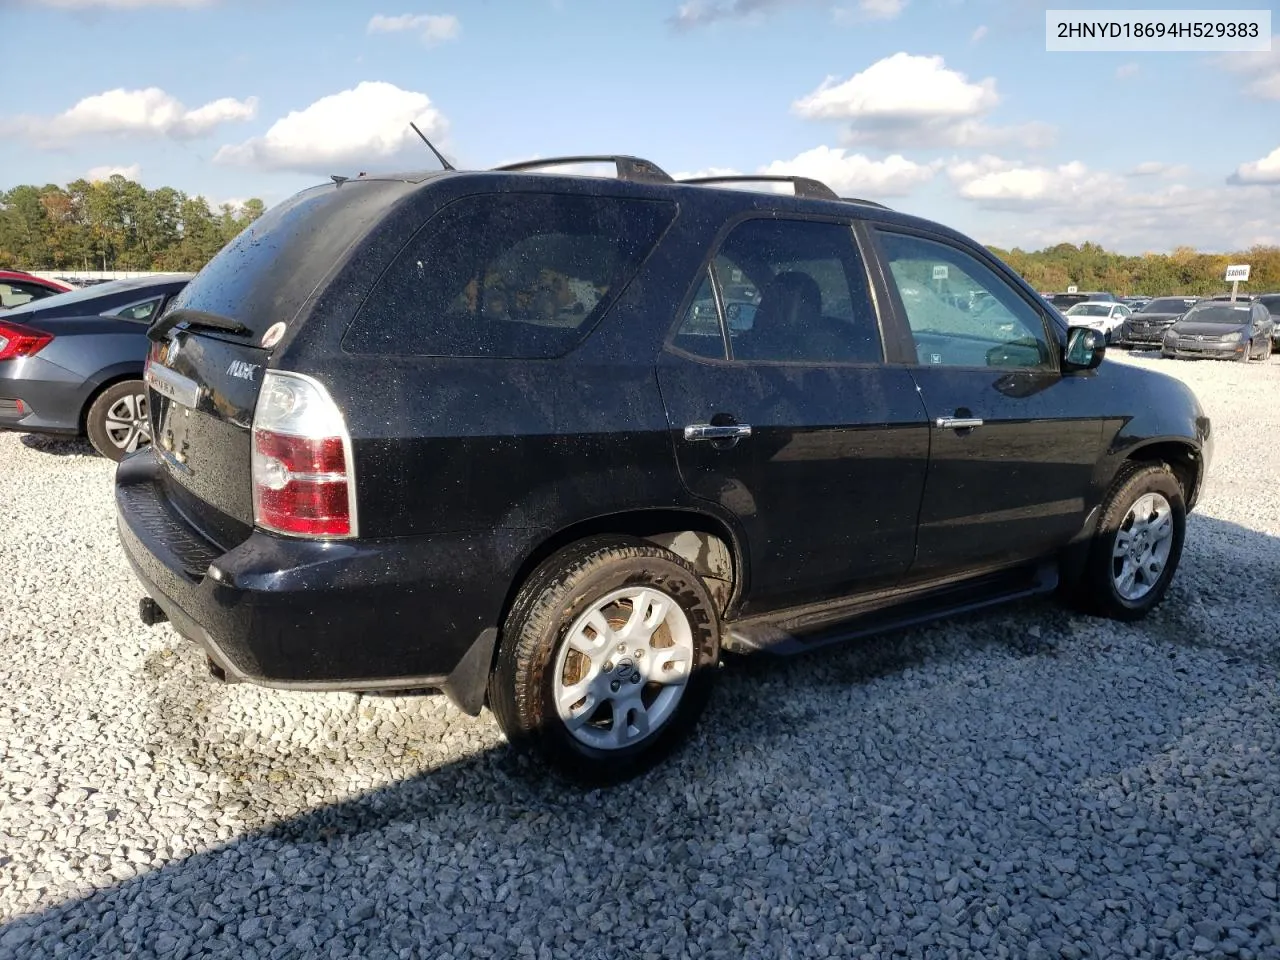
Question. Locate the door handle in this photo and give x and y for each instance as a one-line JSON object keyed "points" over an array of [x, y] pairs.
{"points": [[958, 423], [708, 431]]}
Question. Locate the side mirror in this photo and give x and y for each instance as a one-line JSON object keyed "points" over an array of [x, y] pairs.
{"points": [[1085, 349]]}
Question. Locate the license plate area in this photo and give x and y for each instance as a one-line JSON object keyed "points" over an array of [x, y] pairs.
{"points": [[171, 384]]}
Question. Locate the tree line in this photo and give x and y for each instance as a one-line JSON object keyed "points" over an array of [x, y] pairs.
{"points": [[1184, 271], [114, 224], [118, 224]]}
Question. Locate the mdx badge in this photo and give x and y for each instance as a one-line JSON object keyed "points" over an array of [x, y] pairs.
{"points": [[242, 370]]}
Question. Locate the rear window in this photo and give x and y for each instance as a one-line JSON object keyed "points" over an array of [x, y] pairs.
{"points": [[515, 275]]}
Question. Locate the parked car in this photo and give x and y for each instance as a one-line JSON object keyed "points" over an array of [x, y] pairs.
{"points": [[1227, 331], [1107, 318], [1147, 327], [1135, 303], [1272, 302], [72, 364], [1064, 300], [18, 288], [474, 432]]}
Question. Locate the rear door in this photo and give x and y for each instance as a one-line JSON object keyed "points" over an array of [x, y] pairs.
{"points": [[784, 413], [1013, 446]]}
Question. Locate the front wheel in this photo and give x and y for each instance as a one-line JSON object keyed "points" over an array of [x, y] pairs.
{"points": [[1138, 543], [606, 660], [117, 420], [1248, 352]]}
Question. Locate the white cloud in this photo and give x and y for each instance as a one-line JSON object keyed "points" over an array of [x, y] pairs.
{"points": [[855, 173], [1126, 70], [882, 9], [117, 4], [979, 34], [908, 101], [1157, 168], [700, 13], [1266, 170], [1261, 70], [845, 173], [148, 113], [869, 10], [899, 87], [361, 127], [131, 172], [1031, 206], [432, 28]]}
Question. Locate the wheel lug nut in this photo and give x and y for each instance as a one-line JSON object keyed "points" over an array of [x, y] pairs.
{"points": [[608, 667], [622, 648], [615, 686], [640, 653]]}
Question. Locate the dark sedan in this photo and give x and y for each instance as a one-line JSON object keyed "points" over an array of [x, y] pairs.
{"points": [[1222, 330], [1272, 302], [72, 364], [1147, 326]]}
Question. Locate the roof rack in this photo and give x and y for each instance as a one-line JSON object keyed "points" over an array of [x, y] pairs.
{"points": [[865, 203], [629, 168], [804, 186]]}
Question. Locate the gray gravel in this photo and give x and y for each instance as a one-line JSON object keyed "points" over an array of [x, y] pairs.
{"points": [[1026, 783]]}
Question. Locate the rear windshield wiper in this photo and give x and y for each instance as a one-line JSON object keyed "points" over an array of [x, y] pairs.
{"points": [[197, 320]]}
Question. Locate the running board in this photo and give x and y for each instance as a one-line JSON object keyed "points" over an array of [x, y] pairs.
{"points": [[794, 631]]}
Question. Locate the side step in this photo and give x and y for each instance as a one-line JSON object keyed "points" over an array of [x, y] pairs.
{"points": [[791, 632]]}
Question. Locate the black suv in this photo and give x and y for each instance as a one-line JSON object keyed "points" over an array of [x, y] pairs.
{"points": [[551, 443]]}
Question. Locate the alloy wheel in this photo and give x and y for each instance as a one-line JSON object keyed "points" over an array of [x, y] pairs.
{"points": [[126, 423], [622, 668], [1142, 546]]}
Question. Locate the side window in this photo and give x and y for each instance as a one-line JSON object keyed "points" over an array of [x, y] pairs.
{"points": [[142, 312], [961, 312], [794, 291], [518, 275], [15, 295]]}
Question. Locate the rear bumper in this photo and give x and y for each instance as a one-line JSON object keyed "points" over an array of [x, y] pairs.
{"points": [[50, 397], [405, 613]]}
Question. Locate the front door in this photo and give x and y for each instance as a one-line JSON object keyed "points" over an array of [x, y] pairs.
{"points": [[784, 413], [1014, 447]]}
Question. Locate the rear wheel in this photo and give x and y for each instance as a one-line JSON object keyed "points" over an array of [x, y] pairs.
{"points": [[1138, 543], [606, 660], [117, 419]]}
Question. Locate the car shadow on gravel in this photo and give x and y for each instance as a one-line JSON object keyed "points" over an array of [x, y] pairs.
{"points": [[58, 446], [1026, 782]]}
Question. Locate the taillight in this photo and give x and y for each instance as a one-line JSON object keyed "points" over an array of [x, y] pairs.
{"points": [[303, 482], [19, 341]]}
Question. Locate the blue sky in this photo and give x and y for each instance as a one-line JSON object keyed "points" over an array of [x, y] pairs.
{"points": [[947, 108]]}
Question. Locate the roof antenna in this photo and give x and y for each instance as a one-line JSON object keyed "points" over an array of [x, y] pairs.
{"points": [[439, 156]]}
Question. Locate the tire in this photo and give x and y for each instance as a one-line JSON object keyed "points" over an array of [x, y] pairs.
{"points": [[1266, 350], [539, 662], [117, 420], [1248, 352], [1139, 487]]}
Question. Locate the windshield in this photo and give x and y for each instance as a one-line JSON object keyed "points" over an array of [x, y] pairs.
{"points": [[73, 296], [1167, 305], [1089, 310], [1220, 313]]}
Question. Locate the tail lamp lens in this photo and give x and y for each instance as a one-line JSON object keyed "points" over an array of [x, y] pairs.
{"points": [[303, 482], [19, 341]]}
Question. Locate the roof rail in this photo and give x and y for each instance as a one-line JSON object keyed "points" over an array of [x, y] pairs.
{"points": [[629, 168], [804, 186], [865, 203]]}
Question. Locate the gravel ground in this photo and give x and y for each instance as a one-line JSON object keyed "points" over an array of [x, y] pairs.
{"points": [[1026, 783]]}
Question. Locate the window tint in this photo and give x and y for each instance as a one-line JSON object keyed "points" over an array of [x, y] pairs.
{"points": [[960, 311], [508, 275], [793, 291], [142, 312], [15, 293], [1272, 304]]}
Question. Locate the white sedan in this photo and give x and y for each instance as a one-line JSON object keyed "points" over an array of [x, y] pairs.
{"points": [[1099, 315]]}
